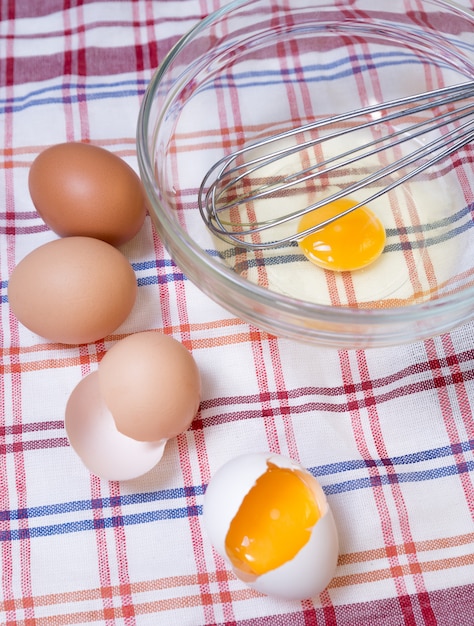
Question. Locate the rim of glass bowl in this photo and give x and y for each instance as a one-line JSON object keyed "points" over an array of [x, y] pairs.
{"points": [[226, 276]]}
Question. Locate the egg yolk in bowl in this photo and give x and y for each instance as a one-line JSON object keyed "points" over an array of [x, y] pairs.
{"points": [[349, 243]]}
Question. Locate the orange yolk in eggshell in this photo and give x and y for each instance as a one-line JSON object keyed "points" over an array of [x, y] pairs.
{"points": [[273, 523], [349, 243]]}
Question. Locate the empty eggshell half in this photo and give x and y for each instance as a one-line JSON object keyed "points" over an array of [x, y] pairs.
{"points": [[151, 385], [92, 433]]}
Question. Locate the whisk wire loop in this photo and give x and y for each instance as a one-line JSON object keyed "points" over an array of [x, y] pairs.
{"points": [[234, 172], [405, 134], [253, 165]]}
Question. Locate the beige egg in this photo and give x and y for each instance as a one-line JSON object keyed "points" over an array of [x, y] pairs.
{"points": [[83, 190], [73, 290], [151, 386]]}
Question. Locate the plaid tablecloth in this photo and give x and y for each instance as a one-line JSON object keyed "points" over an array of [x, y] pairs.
{"points": [[389, 433]]}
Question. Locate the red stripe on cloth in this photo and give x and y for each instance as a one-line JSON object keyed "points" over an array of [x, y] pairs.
{"points": [[457, 378], [121, 549], [139, 52], [37, 8], [450, 603], [103, 560], [189, 481], [264, 398], [203, 577], [82, 71], [18, 563], [27, 446], [196, 534], [433, 79], [104, 62], [260, 350], [9, 61], [11, 429], [74, 65], [399, 500], [451, 407], [452, 607], [6, 548], [163, 290], [152, 38], [5, 504], [378, 491], [281, 393], [197, 537], [68, 70], [369, 88], [146, 52], [103, 563], [429, 545]]}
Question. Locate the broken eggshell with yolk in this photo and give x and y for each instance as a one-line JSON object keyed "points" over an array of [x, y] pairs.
{"points": [[146, 391], [298, 574]]}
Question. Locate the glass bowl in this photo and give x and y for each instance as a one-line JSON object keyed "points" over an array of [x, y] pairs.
{"points": [[258, 66]]}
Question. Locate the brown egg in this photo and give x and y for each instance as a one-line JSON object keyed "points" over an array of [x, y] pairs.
{"points": [[81, 189], [151, 385], [73, 290]]}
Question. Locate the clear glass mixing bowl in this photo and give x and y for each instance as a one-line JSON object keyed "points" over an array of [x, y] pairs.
{"points": [[257, 66]]}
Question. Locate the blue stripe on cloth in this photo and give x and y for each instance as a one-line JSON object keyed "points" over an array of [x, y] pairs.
{"points": [[81, 86], [102, 503], [408, 477], [104, 90], [72, 99], [153, 264], [160, 280], [366, 482], [95, 91], [106, 522], [292, 77], [348, 67], [142, 281], [406, 459]]}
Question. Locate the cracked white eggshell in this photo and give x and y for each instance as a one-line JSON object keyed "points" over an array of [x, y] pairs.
{"points": [[93, 435], [313, 567]]}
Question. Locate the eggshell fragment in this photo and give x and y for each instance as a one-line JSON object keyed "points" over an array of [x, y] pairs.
{"points": [[151, 385], [83, 190], [93, 435], [74, 290], [310, 571]]}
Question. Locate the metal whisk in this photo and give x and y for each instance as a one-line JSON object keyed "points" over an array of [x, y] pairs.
{"points": [[277, 168]]}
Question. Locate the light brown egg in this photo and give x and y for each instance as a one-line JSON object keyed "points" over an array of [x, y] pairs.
{"points": [[73, 290], [83, 190], [151, 386]]}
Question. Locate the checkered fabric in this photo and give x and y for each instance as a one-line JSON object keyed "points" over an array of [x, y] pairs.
{"points": [[389, 433]]}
